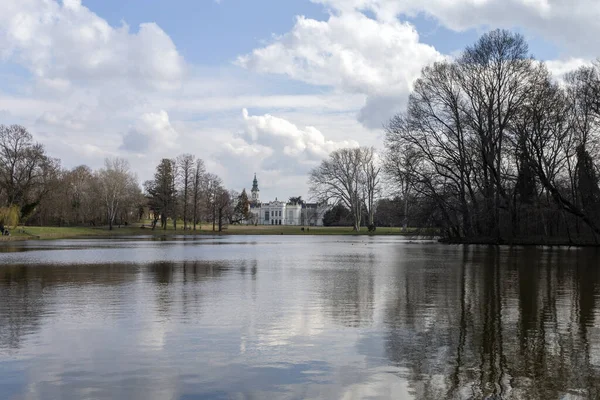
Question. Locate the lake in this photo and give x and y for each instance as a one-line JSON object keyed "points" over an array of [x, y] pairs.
{"points": [[297, 317]]}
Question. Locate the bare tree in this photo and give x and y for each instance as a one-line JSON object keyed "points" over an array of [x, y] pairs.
{"points": [[175, 200], [186, 177], [370, 174], [497, 146], [346, 177], [114, 180], [81, 193], [400, 165], [223, 202], [213, 188], [199, 177], [27, 174]]}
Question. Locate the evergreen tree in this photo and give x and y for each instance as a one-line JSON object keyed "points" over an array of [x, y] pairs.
{"points": [[587, 183], [241, 211], [161, 192]]}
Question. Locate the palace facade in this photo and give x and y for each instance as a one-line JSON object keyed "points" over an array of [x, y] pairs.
{"points": [[284, 213]]}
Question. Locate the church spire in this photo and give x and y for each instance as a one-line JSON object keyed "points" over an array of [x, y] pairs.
{"points": [[255, 184], [255, 190]]}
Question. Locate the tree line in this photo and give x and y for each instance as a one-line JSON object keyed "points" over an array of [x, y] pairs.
{"points": [[498, 148], [35, 189], [491, 147], [183, 190]]}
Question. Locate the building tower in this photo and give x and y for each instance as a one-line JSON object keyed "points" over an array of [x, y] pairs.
{"points": [[255, 191]]}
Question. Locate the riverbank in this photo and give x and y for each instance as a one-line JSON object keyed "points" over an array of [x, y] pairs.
{"points": [[45, 233], [521, 241]]}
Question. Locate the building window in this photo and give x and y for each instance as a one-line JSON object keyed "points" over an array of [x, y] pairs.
{"points": [[266, 215]]}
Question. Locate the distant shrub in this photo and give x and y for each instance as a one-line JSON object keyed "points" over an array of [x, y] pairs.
{"points": [[9, 216]]}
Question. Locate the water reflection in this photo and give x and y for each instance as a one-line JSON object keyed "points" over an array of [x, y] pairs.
{"points": [[347, 292], [303, 318], [502, 324], [28, 294]]}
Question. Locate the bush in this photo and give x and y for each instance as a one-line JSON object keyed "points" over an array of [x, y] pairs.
{"points": [[9, 216]]}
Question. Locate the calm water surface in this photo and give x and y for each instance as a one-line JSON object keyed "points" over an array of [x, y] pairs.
{"points": [[297, 318]]}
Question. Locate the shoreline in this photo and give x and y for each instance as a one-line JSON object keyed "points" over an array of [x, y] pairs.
{"points": [[28, 233], [35, 233], [524, 242]]}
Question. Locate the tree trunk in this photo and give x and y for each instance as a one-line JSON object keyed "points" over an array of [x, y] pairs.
{"points": [[220, 219], [213, 218], [405, 226], [185, 204]]}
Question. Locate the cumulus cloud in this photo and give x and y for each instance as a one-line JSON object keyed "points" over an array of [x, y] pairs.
{"points": [[566, 22], [381, 57], [307, 144], [352, 53], [559, 68], [62, 43], [151, 130], [267, 142]]}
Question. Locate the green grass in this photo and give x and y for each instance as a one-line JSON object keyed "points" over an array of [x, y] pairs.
{"points": [[47, 232], [52, 232], [313, 230]]}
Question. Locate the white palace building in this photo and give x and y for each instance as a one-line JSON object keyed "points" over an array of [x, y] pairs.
{"points": [[282, 213]]}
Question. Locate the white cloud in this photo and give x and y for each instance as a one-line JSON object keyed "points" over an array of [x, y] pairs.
{"points": [[150, 131], [381, 57], [304, 145], [65, 121], [565, 22], [352, 53], [61, 44], [559, 68]]}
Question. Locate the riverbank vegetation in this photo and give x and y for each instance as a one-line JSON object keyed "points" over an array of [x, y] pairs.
{"points": [[35, 190], [136, 230], [500, 150]]}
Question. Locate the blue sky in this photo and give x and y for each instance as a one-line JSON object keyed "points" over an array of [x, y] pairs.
{"points": [[249, 86], [210, 33], [207, 32]]}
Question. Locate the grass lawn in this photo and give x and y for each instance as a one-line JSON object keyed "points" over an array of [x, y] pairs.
{"points": [[313, 230], [48, 232]]}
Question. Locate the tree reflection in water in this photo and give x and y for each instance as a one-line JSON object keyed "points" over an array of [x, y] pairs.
{"points": [[29, 293], [503, 324]]}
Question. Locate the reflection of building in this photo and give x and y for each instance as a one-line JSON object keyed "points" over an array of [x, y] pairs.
{"points": [[282, 213]]}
